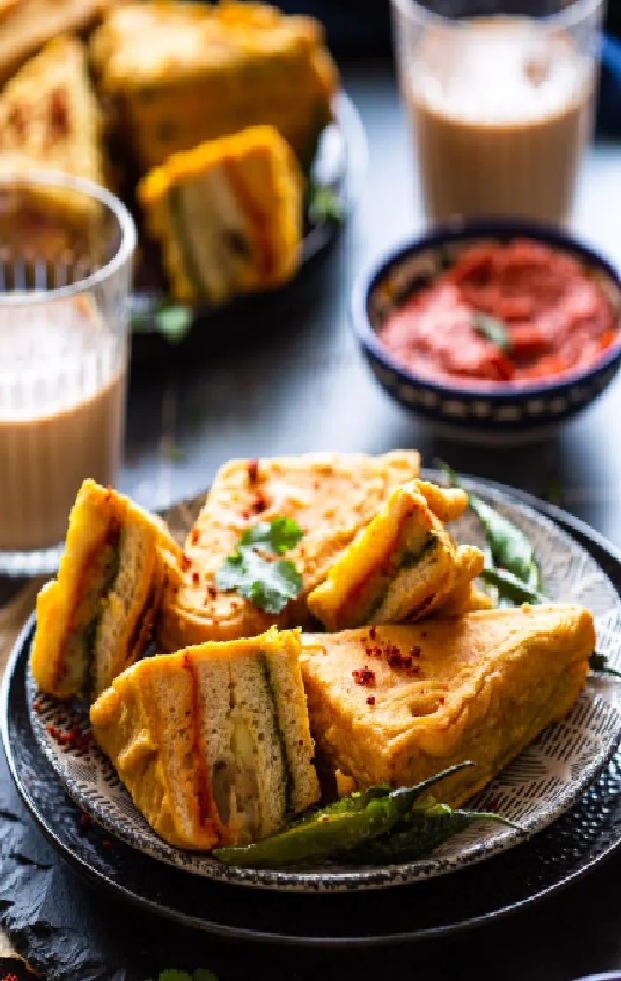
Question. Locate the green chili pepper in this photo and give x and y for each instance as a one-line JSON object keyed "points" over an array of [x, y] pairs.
{"points": [[511, 588], [429, 825], [509, 547], [345, 824]]}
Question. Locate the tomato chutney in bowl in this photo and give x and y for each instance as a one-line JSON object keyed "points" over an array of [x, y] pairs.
{"points": [[491, 328]]}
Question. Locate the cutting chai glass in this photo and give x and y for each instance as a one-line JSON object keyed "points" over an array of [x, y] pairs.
{"points": [[500, 96], [66, 249]]}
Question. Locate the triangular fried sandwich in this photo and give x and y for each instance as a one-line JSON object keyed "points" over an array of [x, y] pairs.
{"points": [[213, 742], [97, 617], [402, 567], [49, 116], [400, 703]]}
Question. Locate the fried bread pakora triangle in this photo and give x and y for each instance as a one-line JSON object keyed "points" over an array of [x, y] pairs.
{"points": [[402, 566], [49, 115], [97, 616], [330, 496], [213, 742], [228, 214], [399, 703]]}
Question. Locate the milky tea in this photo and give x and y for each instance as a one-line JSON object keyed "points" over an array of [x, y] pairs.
{"points": [[62, 394], [501, 112]]}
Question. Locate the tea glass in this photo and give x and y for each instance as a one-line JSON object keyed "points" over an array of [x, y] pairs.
{"points": [[66, 249]]}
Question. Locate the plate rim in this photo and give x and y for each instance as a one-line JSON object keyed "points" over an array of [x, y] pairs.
{"points": [[572, 525]]}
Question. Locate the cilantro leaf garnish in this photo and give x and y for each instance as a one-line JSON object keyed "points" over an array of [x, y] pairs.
{"points": [[277, 536], [492, 330], [267, 584], [325, 205], [172, 321]]}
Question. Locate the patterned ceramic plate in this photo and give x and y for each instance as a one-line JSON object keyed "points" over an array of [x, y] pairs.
{"points": [[545, 780]]}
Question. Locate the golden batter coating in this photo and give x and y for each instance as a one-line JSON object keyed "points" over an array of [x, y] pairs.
{"points": [[399, 703]]}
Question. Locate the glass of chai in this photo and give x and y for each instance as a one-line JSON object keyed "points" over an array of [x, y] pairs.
{"points": [[66, 249], [500, 96]]}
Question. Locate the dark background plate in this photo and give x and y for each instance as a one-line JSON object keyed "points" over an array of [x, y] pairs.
{"points": [[340, 165], [482, 894]]}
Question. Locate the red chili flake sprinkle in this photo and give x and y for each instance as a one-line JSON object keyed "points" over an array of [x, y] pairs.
{"points": [[372, 633], [364, 676], [195, 536], [10, 977], [59, 114], [377, 652], [325, 818], [17, 119], [84, 823], [441, 700], [253, 471], [245, 515], [196, 578], [415, 669], [186, 562], [371, 700], [259, 504], [415, 652]]}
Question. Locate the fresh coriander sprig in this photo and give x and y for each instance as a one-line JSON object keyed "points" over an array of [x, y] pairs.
{"points": [[269, 585]]}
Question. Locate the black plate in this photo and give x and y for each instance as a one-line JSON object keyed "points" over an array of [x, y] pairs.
{"points": [[552, 859], [340, 166]]}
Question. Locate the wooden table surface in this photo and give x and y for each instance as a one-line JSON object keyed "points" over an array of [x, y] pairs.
{"points": [[296, 382]]}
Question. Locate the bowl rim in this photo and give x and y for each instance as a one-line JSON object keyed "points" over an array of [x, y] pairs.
{"points": [[460, 230]]}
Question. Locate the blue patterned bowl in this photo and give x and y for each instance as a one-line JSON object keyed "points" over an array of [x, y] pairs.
{"points": [[494, 412]]}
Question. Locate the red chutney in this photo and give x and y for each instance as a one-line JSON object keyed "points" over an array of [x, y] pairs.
{"points": [[557, 318]]}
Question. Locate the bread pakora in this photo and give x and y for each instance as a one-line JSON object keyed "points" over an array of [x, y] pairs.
{"points": [[403, 566], [49, 118], [202, 71], [400, 703], [330, 496], [213, 742], [97, 617], [228, 215]]}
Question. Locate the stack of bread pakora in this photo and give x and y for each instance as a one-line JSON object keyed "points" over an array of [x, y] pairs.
{"points": [[384, 663], [206, 126]]}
